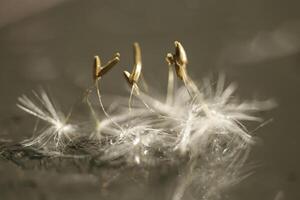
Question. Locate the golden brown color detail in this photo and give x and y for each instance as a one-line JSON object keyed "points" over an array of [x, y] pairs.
{"points": [[133, 77], [179, 60], [99, 70]]}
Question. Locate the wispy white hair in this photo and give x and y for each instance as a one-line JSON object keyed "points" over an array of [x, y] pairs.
{"points": [[202, 129], [57, 131]]}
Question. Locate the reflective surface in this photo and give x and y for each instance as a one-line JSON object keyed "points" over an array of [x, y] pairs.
{"points": [[255, 43]]}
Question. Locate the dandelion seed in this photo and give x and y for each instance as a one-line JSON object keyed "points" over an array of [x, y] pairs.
{"points": [[199, 128], [133, 78], [57, 131], [180, 61], [98, 72]]}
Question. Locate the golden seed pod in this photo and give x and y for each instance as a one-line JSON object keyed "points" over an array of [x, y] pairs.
{"points": [[99, 71], [96, 67], [179, 60], [133, 77], [180, 54]]}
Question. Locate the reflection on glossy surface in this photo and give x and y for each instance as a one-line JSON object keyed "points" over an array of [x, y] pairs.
{"points": [[256, 43]]}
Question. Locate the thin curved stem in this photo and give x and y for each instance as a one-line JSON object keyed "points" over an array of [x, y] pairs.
{"points": [[170, 90], [103, 109]]}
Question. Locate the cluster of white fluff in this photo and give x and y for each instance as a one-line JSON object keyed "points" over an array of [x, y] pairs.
{"points": [[208, 130], [201, 129], [57, 132]]}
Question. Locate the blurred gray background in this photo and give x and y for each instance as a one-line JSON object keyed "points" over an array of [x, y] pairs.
{"points": [[256, 43]]}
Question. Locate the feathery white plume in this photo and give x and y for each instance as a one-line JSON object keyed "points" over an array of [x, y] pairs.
{"points": [[57, 131], [201, 130]]}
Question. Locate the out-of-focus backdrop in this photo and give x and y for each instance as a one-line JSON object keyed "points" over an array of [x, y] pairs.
{"points": [[256, 43]]}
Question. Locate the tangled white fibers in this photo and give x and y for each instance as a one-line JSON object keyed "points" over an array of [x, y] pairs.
{"points": [[200, 127]]}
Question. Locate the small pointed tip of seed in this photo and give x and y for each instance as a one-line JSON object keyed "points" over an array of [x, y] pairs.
{"points": [[127, 74], [169, 58], [97, 61], [127, 77], [117, 55], [178, 45], [117, 59], [180, 53], [96, 58]]}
